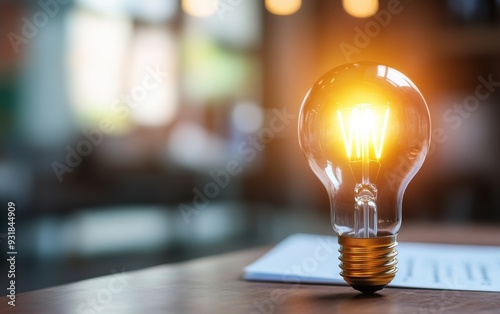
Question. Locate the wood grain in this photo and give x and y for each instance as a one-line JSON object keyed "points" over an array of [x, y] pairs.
{"points": [[214, 285]]}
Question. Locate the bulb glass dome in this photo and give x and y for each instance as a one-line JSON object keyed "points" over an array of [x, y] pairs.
{"points": [[365, 131]]}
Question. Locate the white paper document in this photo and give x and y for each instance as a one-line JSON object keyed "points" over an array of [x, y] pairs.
{"points": [[307, 258]]}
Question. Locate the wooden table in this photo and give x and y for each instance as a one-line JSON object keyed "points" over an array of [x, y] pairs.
{"points": [[214, 285]]}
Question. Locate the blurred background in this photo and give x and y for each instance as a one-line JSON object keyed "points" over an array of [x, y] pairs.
{"points": [[136, 133]]}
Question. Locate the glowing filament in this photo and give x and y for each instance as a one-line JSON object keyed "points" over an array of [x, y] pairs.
{"points": [[363, 129]]}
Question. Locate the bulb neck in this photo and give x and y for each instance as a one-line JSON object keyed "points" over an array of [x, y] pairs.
{"points": [[368, 264]]}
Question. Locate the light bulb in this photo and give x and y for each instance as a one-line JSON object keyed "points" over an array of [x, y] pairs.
{"points": [[365, 131]]}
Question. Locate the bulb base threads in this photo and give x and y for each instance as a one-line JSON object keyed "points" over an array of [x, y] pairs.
{"points": [[368, 264]]}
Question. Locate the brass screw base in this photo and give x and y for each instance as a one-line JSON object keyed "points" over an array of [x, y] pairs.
{"points": [[368, 264]]}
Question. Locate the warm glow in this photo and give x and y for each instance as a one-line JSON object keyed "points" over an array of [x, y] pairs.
{"points": [[200, 8], [360, 8], [363, 127], [283, 7]]}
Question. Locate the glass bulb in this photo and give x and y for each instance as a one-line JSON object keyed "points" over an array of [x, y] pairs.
{"points": [[365, 131]]}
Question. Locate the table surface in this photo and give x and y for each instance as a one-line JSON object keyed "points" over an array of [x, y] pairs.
{"points": [[214, 285]]}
